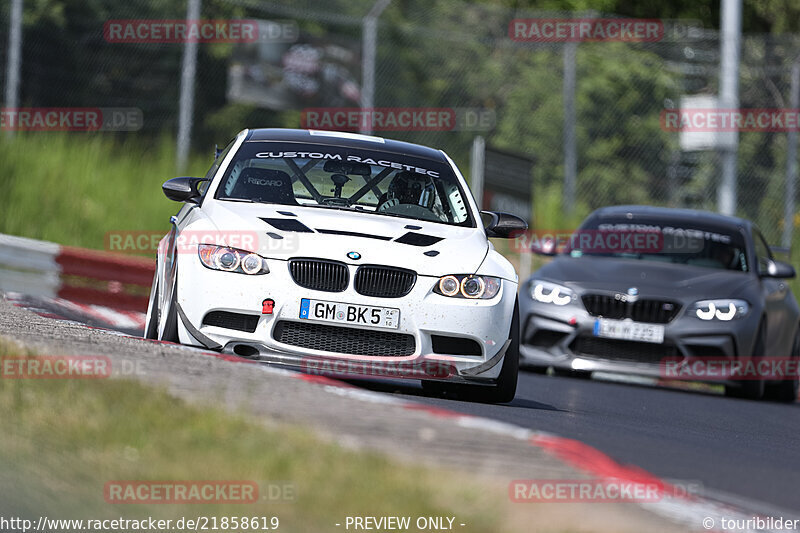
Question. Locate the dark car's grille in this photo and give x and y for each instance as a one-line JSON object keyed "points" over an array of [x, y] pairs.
{"points": [[344, 339], [604, 305], [319, 275], [619, 350], [652, 311], [228, 320], [384, 282]]}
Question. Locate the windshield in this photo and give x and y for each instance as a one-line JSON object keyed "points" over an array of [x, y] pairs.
{"points": [[656, 239], [344, 178]]}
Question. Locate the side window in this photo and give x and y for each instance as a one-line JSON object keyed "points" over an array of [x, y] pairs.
{"points": [[458, 207], [763, 255]]}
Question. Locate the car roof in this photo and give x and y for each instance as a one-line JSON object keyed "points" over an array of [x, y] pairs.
{"points": [[346, 140], [695, 215]]}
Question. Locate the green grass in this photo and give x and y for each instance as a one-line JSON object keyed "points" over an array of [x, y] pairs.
{"points": [[73, 189], [62, 440]]}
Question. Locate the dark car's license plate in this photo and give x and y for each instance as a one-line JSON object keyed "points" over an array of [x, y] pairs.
{"points": [[629, 331]]}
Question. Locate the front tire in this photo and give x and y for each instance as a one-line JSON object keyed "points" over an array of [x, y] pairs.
{"points": [[151, 324], [170, 333]]}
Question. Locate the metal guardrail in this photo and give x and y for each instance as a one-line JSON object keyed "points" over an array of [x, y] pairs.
{"points": [[45, 269]]}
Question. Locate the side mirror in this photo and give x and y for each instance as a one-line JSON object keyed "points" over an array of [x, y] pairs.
{"points": [[183, 189], [778, 269], [502, 225]]}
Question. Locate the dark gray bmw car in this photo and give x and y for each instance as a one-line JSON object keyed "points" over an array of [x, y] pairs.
{"points": [[636, 289]]}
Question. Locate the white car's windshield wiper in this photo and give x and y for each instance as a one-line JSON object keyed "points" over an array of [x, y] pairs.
{"points": [[245, 200]]}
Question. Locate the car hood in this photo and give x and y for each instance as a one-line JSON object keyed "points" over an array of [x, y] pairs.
{"points": [[284, 232], [654, 278]]}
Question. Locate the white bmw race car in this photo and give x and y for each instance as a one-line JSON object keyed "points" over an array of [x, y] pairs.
{"points": [[341, 254]]}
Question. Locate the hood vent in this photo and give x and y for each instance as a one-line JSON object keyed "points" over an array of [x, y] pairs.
{"points": [[418, 239], [288, 224]]}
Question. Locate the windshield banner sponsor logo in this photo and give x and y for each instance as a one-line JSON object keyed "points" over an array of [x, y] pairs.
{"points": [[352, 158]]}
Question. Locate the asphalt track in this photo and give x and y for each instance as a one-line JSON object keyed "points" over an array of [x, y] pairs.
{"points": [[732, 448]]}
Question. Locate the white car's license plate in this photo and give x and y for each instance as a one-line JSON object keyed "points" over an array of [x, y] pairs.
{"points": [[363, 315], [628, 330]]}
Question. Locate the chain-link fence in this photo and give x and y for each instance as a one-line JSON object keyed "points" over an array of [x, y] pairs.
{"points": [[436, 54]]}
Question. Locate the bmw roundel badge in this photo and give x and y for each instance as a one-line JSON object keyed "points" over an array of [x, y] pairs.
{"points": [[354, 255]]}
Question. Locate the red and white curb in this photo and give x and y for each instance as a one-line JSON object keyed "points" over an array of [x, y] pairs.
{"points": [[99, 287], [63, 309]]}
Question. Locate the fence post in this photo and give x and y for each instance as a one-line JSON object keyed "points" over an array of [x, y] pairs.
{"points": [[476, 167], [370, 45], [731, 26], [14, 58], [570, 148], [186, 104], [791, 161]]}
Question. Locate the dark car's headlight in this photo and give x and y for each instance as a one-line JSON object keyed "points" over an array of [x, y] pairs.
{"points": [[468, 286], [551, 293], [231, 260], [723, 309]]}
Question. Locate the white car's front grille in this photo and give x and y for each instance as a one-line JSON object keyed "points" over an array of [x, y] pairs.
{"points": [[319, 274], [384, 282]]}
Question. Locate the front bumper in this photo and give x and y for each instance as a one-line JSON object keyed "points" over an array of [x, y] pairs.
{"points": [[564, 338], [423, 315]]}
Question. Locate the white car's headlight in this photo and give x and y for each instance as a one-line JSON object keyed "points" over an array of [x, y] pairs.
{"points": [[551, 293], [468, 286], [231, 260], [726, 309]]}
